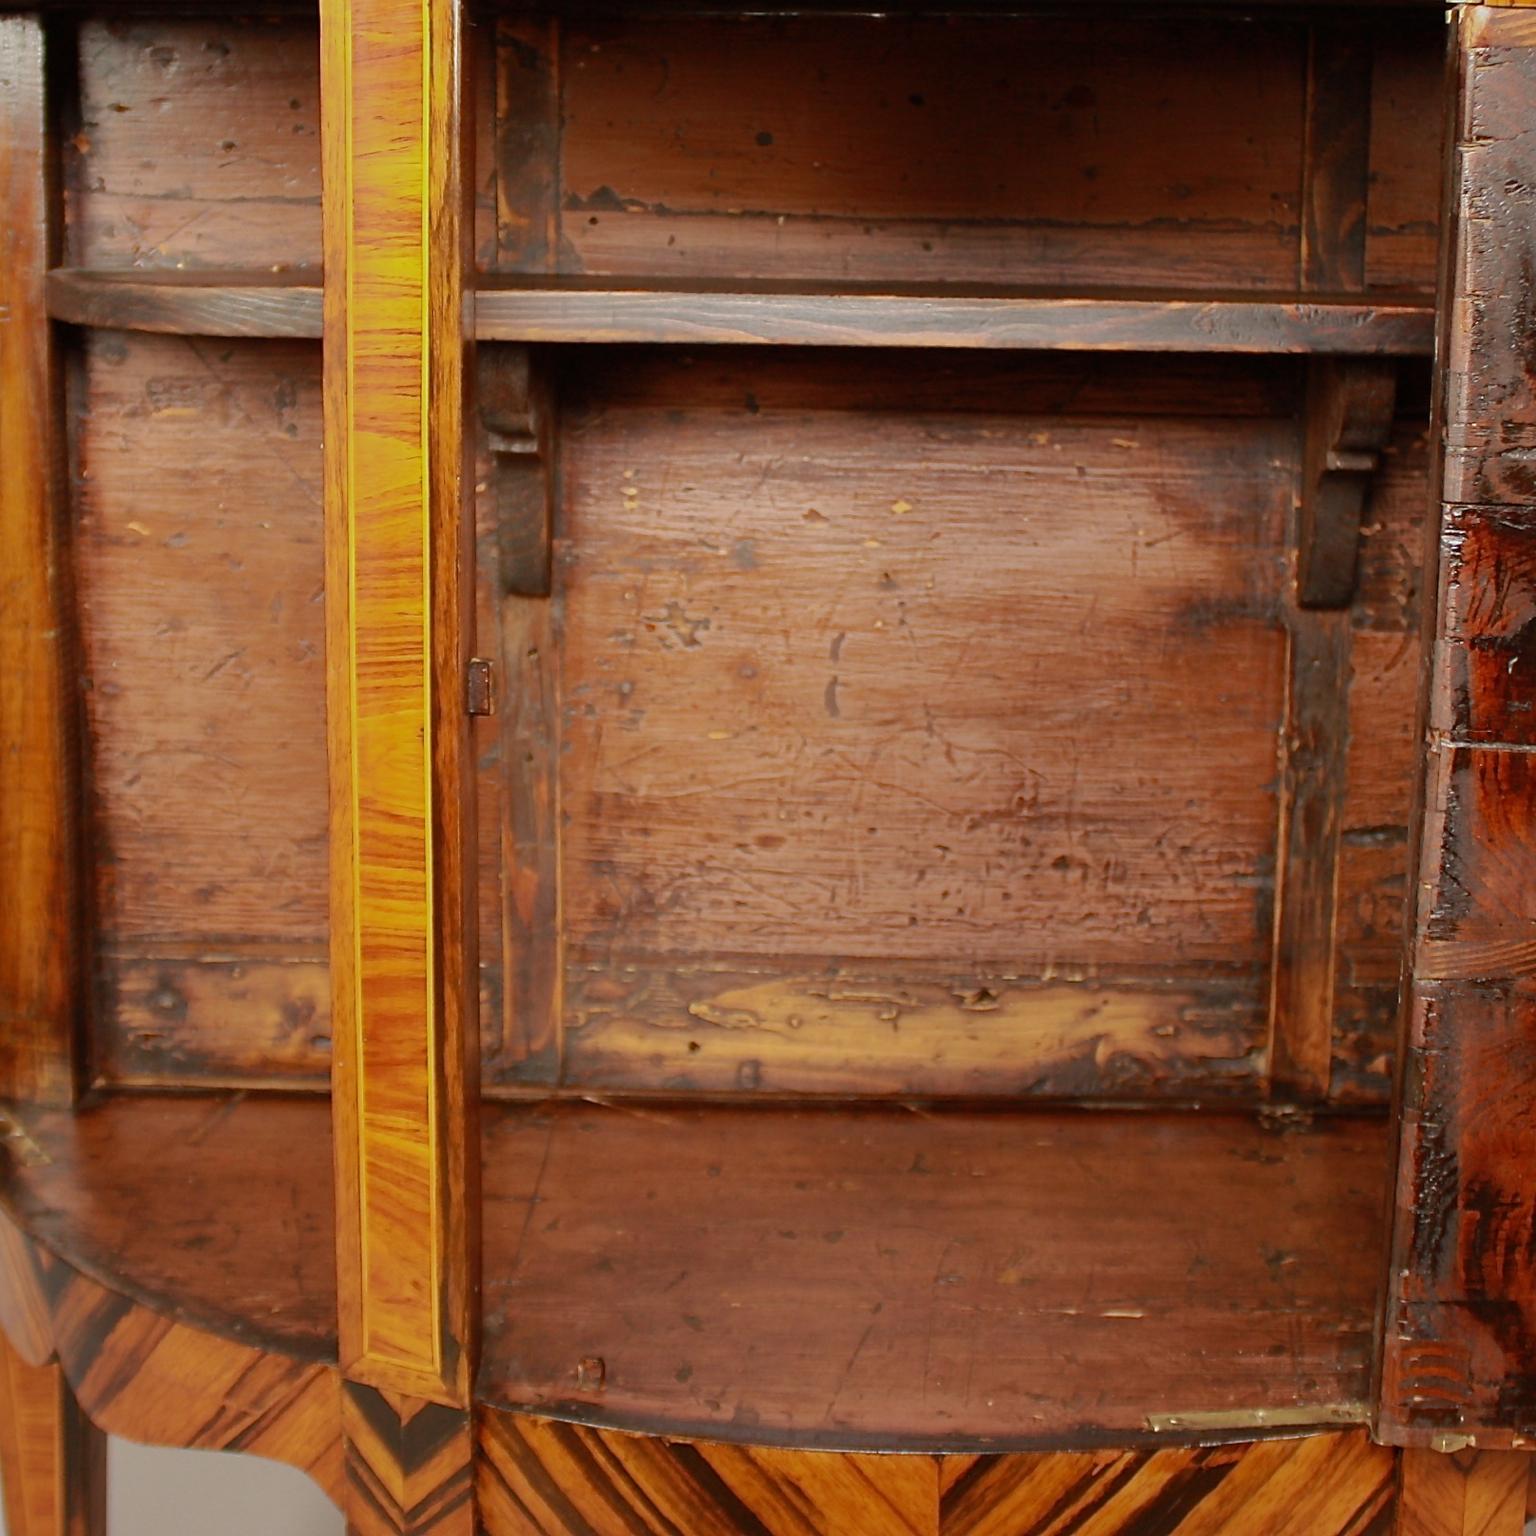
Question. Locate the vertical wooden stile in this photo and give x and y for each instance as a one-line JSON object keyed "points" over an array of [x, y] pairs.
{"points": [[1331, 259], [399, 614], [40, 956]]}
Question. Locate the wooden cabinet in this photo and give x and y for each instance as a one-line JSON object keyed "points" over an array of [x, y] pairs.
{"points": [[767, 770]]}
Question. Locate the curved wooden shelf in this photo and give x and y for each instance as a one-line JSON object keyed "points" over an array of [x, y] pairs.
{"points": [[819, 1278], [556, 310], [881, 1278], [213, 1210]]}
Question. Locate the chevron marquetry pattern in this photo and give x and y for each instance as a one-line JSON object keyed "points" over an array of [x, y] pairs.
{"points": [[1472, 1493], [409, 1467], [139, 1374], [538, 1478], [1324, 1485]]}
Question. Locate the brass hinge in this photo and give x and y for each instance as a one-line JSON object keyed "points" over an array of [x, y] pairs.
{"points": [[480, 686]]}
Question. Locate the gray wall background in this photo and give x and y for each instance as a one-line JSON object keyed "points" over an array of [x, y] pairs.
{"points": [[155, 1492]]}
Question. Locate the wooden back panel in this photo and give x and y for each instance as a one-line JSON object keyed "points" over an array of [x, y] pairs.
{"points": [[916, 730], [1112, 149], [1034, 636]]}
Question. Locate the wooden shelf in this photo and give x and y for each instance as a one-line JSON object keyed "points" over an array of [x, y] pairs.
{"points": [[556, 310], [259, 304], [827, 1276], [214, 1209], [582, 311], [881, 1278]]}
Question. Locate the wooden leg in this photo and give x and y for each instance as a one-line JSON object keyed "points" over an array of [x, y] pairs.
{"points": [[409, 1465], [1470, 1493], [53, 1461]]}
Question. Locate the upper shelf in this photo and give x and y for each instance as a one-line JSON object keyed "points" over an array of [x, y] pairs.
{"points": [[567, 310]]}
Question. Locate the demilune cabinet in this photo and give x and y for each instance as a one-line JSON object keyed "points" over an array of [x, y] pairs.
{"points": [[772, 770]]}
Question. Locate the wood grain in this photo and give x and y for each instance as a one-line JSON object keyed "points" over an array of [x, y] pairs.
{"points": [[201, 583], [680, 153], [409, 1466], [796, 852], [883, 1278], [214, 1210], [53, 1462], [189, 303], [539, 1478], [1471, 1493], [1459, 1337], [254, 303], [694, 314], [198, 145], [399, 540], [42, 959], [1489, 405]]}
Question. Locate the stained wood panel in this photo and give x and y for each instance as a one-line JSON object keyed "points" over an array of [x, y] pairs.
{"points": [[200, 568], [1377, 813], [215, 1210], [199, 144], [681, 152], [1076, 147], [874, 728], [884, 1278]]}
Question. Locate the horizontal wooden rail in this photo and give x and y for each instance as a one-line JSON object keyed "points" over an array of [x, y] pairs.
{"points": [[567, 311]]}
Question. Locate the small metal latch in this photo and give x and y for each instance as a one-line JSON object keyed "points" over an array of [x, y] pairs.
{"points": [[480, 687]]}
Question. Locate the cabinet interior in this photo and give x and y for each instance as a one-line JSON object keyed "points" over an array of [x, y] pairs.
{"points": [[920, 768]]}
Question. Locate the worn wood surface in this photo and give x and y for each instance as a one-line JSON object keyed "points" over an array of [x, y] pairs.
{"points": [[215, 1210], [189, 303], [201, 580], [256, 303], [880, 1277], [1459, 1342], [409, 1466], [719, 930], [675, 154], [399, 625], [43, 956], [138, 1368], [788, 834], [544, 1479], [694, 314], [52, 1461], [198, 144]]}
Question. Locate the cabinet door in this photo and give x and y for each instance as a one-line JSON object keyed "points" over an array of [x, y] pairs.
{"points": [[1459, 1350]]}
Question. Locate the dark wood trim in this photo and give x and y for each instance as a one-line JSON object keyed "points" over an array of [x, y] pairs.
{"points": [[1336, 156], [1312, 797]]}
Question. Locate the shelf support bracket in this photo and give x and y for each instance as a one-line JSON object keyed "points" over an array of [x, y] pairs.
{"points": [[1349, 407]]}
